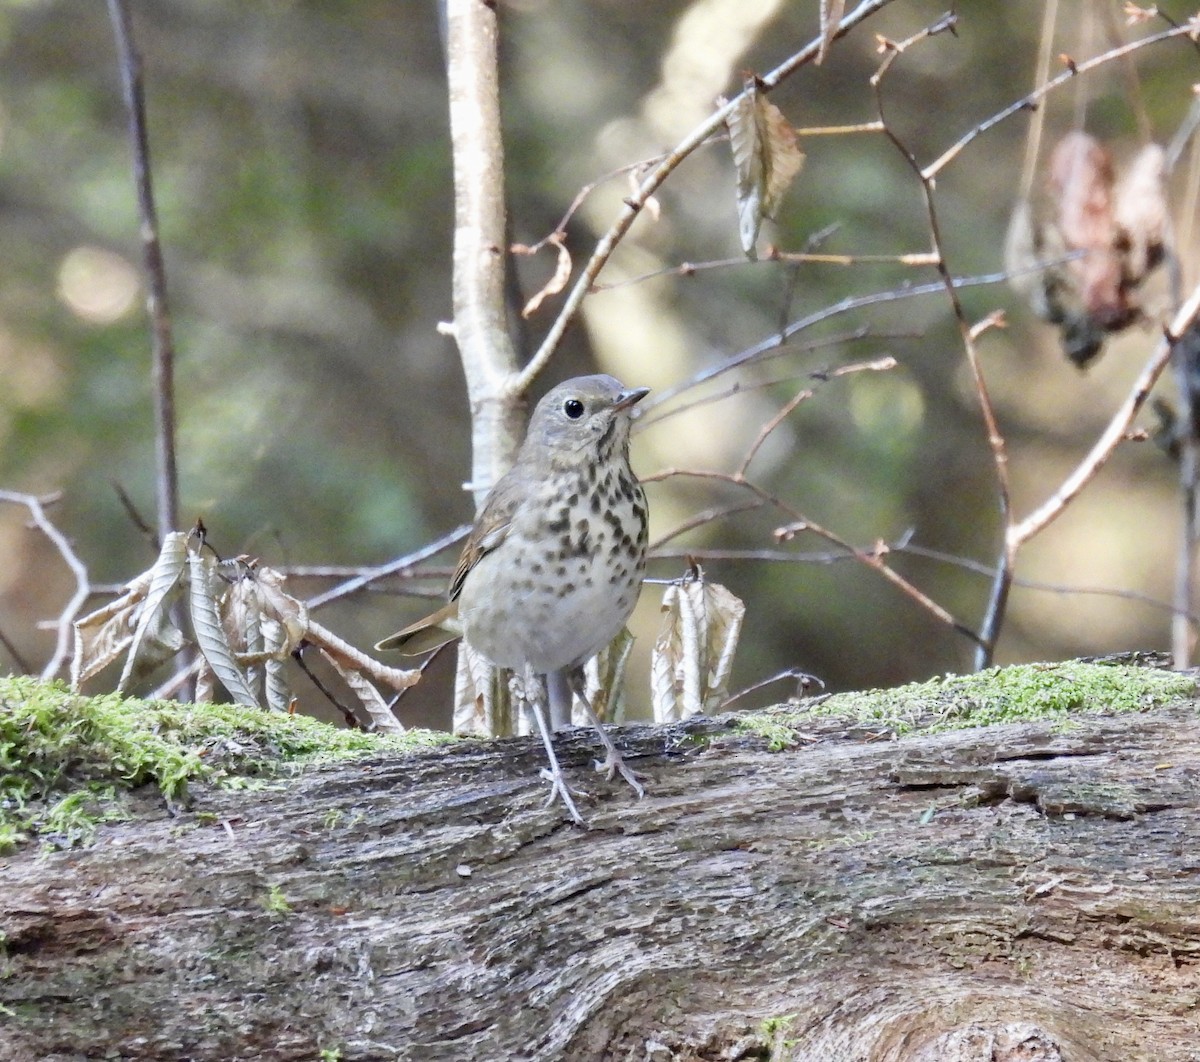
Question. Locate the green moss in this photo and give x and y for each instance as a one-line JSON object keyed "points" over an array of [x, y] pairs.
{"points": [[275, 901], [68, 763], [774, 1031], [777, 733], [1023, 693]]}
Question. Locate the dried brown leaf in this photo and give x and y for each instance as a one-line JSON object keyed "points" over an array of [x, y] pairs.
{"points": [[562, 274], [104, 635], [1142, 212], [398, 678], [1081, 189], [211, 636], [1025, 248], [281, 606], [376, 707], [278, 695], [694, 650], [206, 684], [151, 637], [604, 682], [475, 697], [766, 158], [242, 617]]}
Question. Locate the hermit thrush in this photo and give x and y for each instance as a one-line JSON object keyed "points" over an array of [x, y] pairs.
{"points": [[553, 566]]}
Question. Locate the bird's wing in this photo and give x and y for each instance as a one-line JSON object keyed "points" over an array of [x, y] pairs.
{"points": [[491, 528]]}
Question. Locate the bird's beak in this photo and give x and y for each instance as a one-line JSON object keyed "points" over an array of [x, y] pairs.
{"points": [[630, 398]]}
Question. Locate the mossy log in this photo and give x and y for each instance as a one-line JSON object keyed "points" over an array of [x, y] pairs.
{"points": [[1023, 891]]}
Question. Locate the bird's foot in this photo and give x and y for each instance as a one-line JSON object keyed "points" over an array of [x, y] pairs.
{"points": [[614, 764], [561, 791]]}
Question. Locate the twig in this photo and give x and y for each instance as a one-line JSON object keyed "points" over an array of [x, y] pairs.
{"points": [[18, 658], [777, 341], [804, 681], [687, 269], [700, 519], [765, 431], [342, 572], [588, 189], [176, 682], [903, 546], [884, 364], [351, 719], [839, 130], [63, 639], [400, 564], [1030, 101], [1041, 586], [1118, 428], [1133, 86], [167, 481], [135, 517], [798, 522], [985, 640], [740, 388]]}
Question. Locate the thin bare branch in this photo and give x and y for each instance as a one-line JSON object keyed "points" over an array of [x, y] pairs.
{"points": [[774, 344], [580, 196], [700, 519], [903, 546], [874, 559], [765, 431], [1113, 434], [18, 657], [840, 130], [1041, 586], [998, 599], [687, 269], [348, 714], [1031, 101], [83, 589], [401, 565], [878, 365], [167, 479], [798, 523], [804, 682]]}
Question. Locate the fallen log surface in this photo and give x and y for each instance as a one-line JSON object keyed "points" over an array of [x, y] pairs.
{"points": [[1026, 891]]}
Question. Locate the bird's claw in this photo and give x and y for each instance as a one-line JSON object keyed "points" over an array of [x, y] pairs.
{"points": [[613, 764], [560, 790]]}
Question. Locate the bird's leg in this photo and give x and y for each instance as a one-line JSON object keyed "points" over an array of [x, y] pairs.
{"points": [[558, 685], [533, 696], [613, 762]]}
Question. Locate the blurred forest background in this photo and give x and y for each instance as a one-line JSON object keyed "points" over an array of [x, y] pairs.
{"points": [[302, 167]]}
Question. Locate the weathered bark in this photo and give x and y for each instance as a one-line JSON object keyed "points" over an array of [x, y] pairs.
{"points": [[1050, 908]]}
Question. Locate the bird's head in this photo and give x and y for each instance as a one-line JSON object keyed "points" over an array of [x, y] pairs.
{"points": [[586, 414]]}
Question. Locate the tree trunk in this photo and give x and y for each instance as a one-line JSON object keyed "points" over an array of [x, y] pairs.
{"points": [[1024, 891]]}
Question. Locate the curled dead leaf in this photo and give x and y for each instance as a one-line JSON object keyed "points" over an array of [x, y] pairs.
{"points": [[1095, 238], [1141, 213], [766, 158], [562, 274], [693, 653]]}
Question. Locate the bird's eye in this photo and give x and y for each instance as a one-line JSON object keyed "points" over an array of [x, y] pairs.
{"points": [[573, 408]]}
